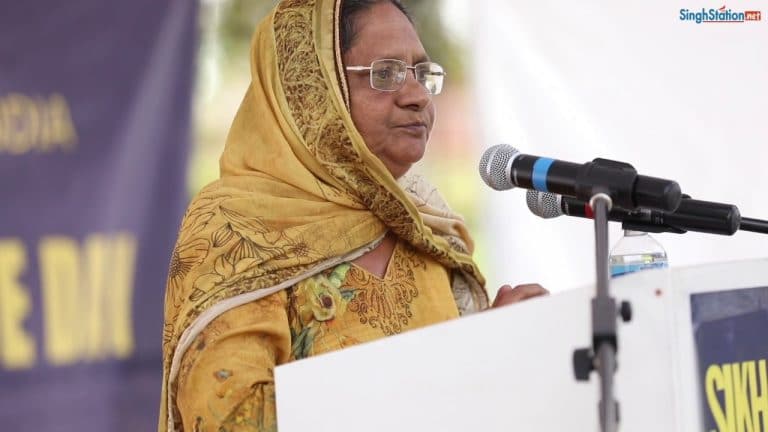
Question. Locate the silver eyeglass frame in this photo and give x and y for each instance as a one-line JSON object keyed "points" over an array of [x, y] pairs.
{"points": [[402, 84]]}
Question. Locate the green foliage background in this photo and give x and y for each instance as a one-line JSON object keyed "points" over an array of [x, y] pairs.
{"points": [[238, 19]]}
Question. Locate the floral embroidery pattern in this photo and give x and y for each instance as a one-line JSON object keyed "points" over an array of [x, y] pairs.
{"points": [[254, 414], [386, 303], [250, 249], [315, 302], [319, 303], [190, 251]]}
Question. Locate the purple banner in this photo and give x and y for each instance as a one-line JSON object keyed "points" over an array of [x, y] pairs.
{"points": [[94, 136]]}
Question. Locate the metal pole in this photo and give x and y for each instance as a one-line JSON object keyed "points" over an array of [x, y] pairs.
{"points": [[601, 204], [604, 316]]}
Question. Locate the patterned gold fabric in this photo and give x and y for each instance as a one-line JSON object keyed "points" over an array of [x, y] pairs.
{"points": [[299, 193], [225, 381], [224, 387], [348, 305]]}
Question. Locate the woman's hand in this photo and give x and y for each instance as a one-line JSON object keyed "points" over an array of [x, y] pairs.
{"points": [[508, 295]]}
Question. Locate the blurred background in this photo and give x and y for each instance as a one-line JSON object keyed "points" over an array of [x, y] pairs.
{"points": [[113, 115]]}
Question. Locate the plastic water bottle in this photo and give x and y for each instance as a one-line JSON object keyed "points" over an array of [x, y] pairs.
{"points": [[636, 251]]}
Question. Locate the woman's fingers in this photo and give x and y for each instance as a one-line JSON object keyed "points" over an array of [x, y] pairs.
{"points": [[508, 295]]}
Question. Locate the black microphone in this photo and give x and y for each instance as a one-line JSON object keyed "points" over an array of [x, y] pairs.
{"points": [[502, 167], [691, 215]]}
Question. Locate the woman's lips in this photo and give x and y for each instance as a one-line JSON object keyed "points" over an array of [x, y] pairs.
{"points": [[418, 129]]}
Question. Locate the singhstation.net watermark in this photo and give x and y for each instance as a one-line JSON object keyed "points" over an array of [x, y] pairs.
{"points": [[721, 15]]}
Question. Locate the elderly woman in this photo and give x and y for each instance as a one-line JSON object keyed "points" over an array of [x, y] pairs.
{"points": [[315, 238]]}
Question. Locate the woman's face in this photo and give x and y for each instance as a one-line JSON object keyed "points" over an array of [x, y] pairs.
{"points": [[395, 125]]}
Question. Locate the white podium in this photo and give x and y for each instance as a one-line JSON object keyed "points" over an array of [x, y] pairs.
{"points": [[511, 369]]}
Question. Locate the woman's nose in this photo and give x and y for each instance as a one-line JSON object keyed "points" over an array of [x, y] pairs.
{"points": [[414, 94]]}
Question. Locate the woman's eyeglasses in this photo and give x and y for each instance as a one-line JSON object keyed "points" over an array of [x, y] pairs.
{"points": [[389, 75]]}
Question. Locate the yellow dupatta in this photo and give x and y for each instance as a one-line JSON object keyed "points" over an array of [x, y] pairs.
{"points": [[299, 192]]}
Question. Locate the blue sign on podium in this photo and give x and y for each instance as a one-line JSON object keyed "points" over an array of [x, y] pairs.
{"points": [[731, 335]]}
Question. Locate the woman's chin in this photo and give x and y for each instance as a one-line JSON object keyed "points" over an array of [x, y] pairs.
{"points": [[399, 167], [403, 153], [410, 149], [411, 157]]}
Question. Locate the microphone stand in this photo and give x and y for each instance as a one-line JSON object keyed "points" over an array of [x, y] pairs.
{"points": [[604, 341], [602, 355]]}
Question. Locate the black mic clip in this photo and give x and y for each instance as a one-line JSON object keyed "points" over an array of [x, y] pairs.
{"points": [[617, 179], [649, 227], [626, 188], [650, 222]]}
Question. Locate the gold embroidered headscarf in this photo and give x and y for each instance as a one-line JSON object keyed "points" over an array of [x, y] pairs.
{"points": [[299, 191]]}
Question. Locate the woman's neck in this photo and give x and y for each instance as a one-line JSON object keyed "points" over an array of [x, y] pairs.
{"points": [[376, 261]]}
